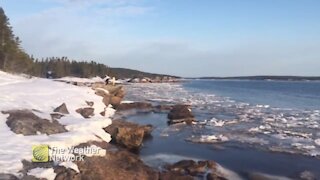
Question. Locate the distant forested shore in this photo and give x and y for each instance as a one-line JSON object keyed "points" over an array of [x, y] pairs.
{"points": [[276, 78]]}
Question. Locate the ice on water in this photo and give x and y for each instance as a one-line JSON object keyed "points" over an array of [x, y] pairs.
{"points": [[275, 129]]}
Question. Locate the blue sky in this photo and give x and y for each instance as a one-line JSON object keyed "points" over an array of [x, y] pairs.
{"points": [[180, 37]]}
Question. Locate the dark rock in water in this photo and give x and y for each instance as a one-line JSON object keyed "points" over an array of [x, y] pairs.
{"points": [[27, 123], [116, 165], [86, 112], [62, 109], [129, 137], [196, 169], [127, 134], [134, 105], [8, 177], [180, 113], [161, 108], [176, 176], [181, 166]]}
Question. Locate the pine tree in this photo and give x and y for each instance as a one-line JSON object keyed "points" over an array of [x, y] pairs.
{"points": [[12, 56]]}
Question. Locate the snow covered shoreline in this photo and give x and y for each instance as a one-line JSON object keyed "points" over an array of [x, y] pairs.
{"points": [[42, 96]]}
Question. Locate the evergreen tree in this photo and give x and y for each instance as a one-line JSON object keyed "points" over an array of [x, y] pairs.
{"points": [[12, 56]]}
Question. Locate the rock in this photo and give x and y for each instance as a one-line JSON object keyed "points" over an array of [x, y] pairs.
{"points": [[130, 138], [181, 166], [134, 105], [120, 93], [161, 108], [111, 94], [196, 169], [103, 113], [176, 176], [86, 112], [97, 85], [90, 103], [27, 123], [66, 173], [213, 176], [116, 165], [180, 113], [8, 177], [55, 116], [102, 92], [62, 109], [127, 134], [115, 101], [106, 101], [199, 168], [307, 175]]}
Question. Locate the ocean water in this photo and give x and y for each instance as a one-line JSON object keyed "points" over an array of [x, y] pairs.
{"points": [[283, 94], [248, 126]]}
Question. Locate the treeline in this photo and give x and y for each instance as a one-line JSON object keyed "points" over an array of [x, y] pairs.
{"points": [[12, 56], [61, 67], [124, 73], [14, 59]]}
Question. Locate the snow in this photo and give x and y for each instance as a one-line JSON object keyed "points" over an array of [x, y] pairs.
{"points": [[82, 80], [46, 173], [43, 96], [317, 141]]}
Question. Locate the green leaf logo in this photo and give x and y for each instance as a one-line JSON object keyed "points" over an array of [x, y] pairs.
{"points": [[40, 153]]}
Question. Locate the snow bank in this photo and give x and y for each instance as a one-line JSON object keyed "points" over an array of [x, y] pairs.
{"points": [[42, 96], [82, 80], [46, 173]]}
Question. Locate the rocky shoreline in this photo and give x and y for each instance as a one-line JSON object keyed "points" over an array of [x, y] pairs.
{"points": [[121, 160]]}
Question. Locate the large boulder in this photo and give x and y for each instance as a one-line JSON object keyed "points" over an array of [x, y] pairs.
{"points": [[134, 105], [111, 94], [62, 109], [27, 123], [162, 108], [180, 113], [204, 169], [115, 101], [127, 134], [116, 165], [102, 92], [86, 112], [176, 176]]}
